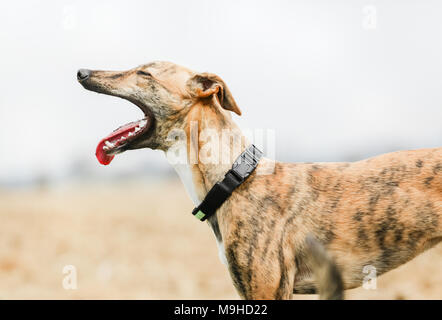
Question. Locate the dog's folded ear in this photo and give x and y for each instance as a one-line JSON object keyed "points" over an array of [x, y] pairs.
{"points": [[204, 85]]}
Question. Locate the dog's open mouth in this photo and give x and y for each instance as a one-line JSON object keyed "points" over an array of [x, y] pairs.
{"points": [[120, 139], [125, 137]]}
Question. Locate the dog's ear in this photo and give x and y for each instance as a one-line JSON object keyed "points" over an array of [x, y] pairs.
{"points": [[204, 85]]}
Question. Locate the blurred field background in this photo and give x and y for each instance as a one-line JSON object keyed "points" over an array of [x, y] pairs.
{"points": [[135, 240]]}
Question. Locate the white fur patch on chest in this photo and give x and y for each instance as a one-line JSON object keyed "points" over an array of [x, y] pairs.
{"points": [[222, 252], [185, 173]]}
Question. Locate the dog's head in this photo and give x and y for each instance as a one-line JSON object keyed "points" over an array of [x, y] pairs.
{"points": [[165, 92]]}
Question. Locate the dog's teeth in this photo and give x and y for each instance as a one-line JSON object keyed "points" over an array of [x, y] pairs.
{"points": [[137, 129], [131, 134], [109, 144], [122, 138], [143, 123], [105, 148]]}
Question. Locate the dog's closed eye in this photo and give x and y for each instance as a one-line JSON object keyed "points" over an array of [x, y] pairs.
{"points": [[144, 73]]}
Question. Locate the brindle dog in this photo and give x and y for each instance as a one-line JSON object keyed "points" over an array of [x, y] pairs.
{"points": [[382, 211]]}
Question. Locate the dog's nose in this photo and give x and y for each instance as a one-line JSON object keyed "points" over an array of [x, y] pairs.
{"points": [[83, 74]]}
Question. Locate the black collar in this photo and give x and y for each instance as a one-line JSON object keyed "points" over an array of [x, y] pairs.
{"points": [[243, 166]]}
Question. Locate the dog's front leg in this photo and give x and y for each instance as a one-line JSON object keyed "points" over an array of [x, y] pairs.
{"points": [[258, 275]]}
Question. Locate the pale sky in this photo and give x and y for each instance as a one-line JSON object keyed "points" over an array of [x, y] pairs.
{"points": [[333, 82]]}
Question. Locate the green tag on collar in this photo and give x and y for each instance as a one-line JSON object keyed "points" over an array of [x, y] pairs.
{"points": [[200, 215]]}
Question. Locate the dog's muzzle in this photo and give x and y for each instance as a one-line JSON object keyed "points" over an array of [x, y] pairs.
{"points": [[83, 74]]}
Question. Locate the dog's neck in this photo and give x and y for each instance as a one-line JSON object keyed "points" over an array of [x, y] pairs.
{"points": [[197, 175], [214, 141]]}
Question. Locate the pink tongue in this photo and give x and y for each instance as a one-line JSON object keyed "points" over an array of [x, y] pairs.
{"points": [[101, 155]]}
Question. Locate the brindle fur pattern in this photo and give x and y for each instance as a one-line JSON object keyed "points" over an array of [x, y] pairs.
{"points": [[381, 211]]}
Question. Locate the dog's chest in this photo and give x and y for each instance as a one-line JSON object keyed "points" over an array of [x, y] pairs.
{"points": [[222, 252], [185, 174]]}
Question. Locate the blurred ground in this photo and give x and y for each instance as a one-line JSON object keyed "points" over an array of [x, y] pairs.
{"points": [[136, 241]]}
